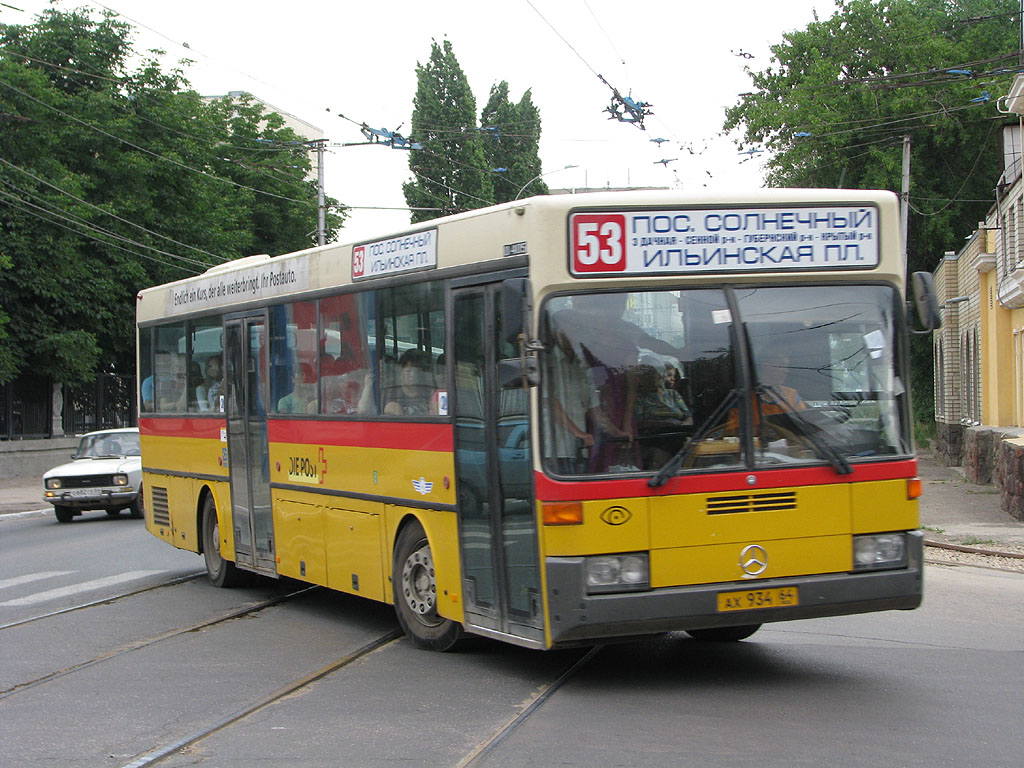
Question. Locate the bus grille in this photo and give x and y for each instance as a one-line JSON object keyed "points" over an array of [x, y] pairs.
{"points": [[750, 502], [161, 512]]}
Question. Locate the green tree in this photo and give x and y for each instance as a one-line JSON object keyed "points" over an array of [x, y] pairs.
{"points": [[511, 140], [450, 172], [113, 180], [837, 98]]}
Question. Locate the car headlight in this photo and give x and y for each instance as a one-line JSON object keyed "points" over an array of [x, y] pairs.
{"points": [[121, 479], [879, 551], [617, 573], [53, 483]]}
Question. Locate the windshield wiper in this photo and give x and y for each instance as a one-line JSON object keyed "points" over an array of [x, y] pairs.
{"points": [[672, 465], [771, 395]]}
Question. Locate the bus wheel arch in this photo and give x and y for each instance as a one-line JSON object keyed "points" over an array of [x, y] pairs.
{"points": [[222, 573], [414, 590]]}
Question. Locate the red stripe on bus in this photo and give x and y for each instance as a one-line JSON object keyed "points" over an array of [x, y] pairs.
{"points": [[363, 434], [181, 426], [719, 482]]}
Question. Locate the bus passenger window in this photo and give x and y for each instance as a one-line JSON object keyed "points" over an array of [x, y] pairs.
{"points": [[343, 354], [293, 358]]}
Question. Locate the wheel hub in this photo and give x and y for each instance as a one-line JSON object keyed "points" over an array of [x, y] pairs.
{"points": [[418, 584]]}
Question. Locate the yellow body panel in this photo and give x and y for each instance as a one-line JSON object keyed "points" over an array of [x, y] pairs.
{"points": [[682, 521], [608, 526], [299, 539], [721, 562], [376, 471], [883, 506], [355, 547]]}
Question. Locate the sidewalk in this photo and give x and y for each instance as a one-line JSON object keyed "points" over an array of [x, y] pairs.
{"points": [[953, 510]]}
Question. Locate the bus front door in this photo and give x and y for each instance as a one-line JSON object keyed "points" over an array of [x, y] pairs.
{"points": [[245, 376], [497, 524]]}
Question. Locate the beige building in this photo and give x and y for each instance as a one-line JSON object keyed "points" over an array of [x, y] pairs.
{"points": [[979, 351]]}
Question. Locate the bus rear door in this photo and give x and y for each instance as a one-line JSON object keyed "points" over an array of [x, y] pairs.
{"points": [[245, 375]]}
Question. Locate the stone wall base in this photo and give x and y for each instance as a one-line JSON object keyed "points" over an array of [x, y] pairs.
{"points": [[30, 458], [949, 444], [1009, 476]]}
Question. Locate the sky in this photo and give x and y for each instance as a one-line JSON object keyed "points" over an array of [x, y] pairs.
{"points": [[319, 59]]}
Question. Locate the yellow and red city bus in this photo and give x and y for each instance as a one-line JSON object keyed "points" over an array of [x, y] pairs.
{"points": [[553, 421]]}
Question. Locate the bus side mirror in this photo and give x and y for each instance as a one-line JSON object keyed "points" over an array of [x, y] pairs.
{"points": [[517, 373], [516, 309], [923, 287]]}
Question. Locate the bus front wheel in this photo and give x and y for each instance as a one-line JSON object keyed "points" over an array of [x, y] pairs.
{"points": [[723, 634], [415, 593], [222, 573]]}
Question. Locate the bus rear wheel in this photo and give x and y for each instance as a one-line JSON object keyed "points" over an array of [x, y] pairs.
{"points": [[723, 634], [222, 573], [415, 593]]}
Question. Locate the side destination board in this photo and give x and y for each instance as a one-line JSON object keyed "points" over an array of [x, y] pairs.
{"points": [[717, 240]]}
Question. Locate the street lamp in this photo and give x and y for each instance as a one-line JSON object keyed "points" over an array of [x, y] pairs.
{"points": [[556, 170]]}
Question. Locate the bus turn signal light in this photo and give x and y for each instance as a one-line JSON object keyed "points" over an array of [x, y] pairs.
{"points": [[562, 513], [913, 488]]}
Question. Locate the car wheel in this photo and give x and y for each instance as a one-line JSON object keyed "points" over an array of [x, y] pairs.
{"points": [[135, 509], [723, 634], [415, 593], [222, 573], [64, 514]]}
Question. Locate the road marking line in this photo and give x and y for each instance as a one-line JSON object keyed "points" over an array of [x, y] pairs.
{"points": [[85, 586], [29, 577]]}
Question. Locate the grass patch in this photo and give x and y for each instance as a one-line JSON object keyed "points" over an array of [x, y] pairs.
{"points": [[933, 529], [973, 541]]}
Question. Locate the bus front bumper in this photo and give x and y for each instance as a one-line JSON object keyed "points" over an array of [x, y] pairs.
{"points": [[576, 616]]}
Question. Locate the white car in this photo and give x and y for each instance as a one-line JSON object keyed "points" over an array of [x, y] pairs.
{"points": [[106, 473]]}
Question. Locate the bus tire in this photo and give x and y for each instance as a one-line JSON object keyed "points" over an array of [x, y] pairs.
{"points": [[222, 573], [415, 593], [64, 514], [723, 634]]}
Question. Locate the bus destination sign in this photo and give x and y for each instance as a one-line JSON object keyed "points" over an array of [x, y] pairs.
{"points": [[395, 255], [709, 240]]}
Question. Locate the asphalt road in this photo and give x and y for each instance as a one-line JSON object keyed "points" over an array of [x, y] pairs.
{"points": [[104, 685]]}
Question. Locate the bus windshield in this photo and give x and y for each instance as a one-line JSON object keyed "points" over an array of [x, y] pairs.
{"points": [[717, 378]]}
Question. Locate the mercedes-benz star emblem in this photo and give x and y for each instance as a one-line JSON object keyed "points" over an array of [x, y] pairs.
{"points": [[753, 560]]}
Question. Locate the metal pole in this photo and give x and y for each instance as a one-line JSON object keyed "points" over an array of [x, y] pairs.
{"points": [[905, 200], [321, 213]]}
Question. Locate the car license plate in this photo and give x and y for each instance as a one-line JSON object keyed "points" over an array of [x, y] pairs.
{"points": [[84, 492], [749, 599]]}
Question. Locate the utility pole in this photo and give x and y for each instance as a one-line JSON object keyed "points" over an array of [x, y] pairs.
{"points": [[321, 208], [905, 200]]}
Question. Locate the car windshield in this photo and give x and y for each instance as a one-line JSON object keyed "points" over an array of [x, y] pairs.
{"points": [[102, 444], [671, 380]]}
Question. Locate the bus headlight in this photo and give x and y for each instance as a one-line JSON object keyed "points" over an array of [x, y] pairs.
{"points": [[879, 551], [617, 573]]}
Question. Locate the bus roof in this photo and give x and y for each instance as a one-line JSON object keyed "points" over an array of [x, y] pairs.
{"points": [[663, 235]]}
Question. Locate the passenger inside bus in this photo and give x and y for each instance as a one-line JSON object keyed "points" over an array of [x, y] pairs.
{"points": [[208, 392], [302, 398], [609, 347], [661, 415], [411, 396]]}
